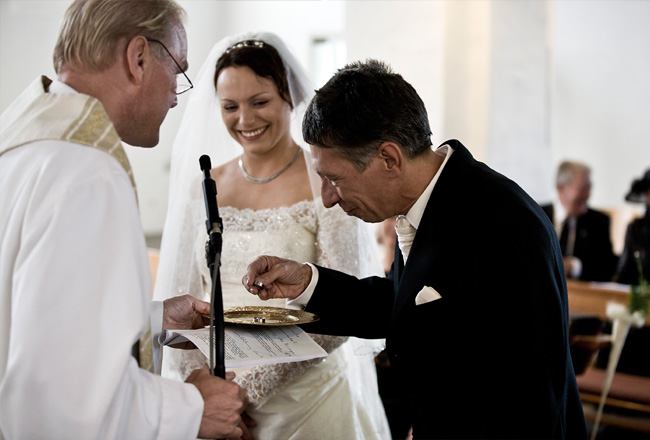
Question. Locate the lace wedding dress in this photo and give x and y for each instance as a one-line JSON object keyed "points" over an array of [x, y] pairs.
{"points": [[331, 398]]}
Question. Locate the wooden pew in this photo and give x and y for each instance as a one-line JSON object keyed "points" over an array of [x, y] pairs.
{"points": [[591, 298], [628, 402]]}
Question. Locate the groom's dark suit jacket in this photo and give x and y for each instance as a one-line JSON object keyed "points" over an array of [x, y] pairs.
{"points": [[593, 245], [490, 359]]}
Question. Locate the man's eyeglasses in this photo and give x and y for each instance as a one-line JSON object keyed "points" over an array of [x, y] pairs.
{"points": [[180, 87]]}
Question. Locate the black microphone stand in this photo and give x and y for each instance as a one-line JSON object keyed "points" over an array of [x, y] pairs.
{"points": [[214, 227]]}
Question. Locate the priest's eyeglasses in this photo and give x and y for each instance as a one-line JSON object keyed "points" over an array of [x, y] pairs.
{"points": [[181, 87]]}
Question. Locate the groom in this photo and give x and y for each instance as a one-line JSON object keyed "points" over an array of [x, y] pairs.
{"points": [[475, 307]]}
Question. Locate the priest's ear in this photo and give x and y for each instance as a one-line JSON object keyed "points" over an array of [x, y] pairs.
{"points": [[137, 56]]}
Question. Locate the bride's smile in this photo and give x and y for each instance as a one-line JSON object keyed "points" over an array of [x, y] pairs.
{"points": [[252, 135]]}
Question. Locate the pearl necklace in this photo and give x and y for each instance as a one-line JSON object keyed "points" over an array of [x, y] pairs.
{"points": [[266, 179]]}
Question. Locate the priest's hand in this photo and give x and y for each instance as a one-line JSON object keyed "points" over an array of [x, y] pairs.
{"points": [[246, 423], [185, 312], [273, 277], [223, 403]]}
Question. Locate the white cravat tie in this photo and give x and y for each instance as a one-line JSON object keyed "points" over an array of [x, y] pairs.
{"points": [[405, 235]]}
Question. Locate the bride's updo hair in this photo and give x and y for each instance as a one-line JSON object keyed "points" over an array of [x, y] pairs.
{"points": [[261, 58]]}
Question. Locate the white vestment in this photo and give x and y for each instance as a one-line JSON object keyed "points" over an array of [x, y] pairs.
{"points": [[75, 283]]}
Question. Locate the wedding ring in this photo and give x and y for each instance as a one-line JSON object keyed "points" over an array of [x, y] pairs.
{"points": [[258, 284]]}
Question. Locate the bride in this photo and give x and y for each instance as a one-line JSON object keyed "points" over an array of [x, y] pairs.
{"points": [[269, 201]]}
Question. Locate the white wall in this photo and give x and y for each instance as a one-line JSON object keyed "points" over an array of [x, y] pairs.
{"points": [[28, 32], [497, 87], [601, 91], [518, 107], [522, 84], [466, 64], [409, 36]]}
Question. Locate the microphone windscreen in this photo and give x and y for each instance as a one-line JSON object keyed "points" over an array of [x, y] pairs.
{"points": [[205, 163]]}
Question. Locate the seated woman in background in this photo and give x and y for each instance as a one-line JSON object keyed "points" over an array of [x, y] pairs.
{"points": [[634, 357], [270, 204], [637, 236]]}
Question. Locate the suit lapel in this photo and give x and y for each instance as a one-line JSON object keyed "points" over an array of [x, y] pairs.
{"points": [[421, 258], [425, 250], [398, 268]]}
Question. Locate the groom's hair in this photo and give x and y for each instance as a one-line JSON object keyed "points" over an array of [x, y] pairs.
{"points": [[92, 29], [363, 105]]}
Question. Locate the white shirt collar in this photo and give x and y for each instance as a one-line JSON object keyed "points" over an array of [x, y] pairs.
{"points": [[414, 216], [559, 214], [60, 87]]}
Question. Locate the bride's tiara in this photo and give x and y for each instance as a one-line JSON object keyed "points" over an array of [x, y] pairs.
{"points": [[248, 43]]}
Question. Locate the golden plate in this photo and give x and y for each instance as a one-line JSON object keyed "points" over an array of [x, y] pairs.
{"points": [[254, 315]]}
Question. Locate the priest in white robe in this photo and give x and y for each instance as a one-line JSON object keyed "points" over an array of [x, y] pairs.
{"points": [[75, 285]]}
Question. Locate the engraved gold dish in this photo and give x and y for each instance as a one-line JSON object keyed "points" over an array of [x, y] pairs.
{"points": [[254, 315]]}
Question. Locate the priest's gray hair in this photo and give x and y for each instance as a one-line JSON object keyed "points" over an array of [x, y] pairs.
{"points": [[92, 29]]}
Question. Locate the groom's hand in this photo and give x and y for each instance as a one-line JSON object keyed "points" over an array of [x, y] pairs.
{"points": [[273, 277]]}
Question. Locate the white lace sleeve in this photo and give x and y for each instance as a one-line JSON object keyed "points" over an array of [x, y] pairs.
{"points": [[263, 381], [345, 243]]}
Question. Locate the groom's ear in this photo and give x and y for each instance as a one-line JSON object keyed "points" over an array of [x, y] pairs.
{"points": [[391, 156]]}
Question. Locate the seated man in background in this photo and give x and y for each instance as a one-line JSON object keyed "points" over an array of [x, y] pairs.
{"points": [[584, 233]]}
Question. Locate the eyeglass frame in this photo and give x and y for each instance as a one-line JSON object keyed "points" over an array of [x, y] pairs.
{"points": [[191, 86]]}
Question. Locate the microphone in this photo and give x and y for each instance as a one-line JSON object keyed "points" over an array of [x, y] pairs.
{"points": [[213, 257], [213, 221]]}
